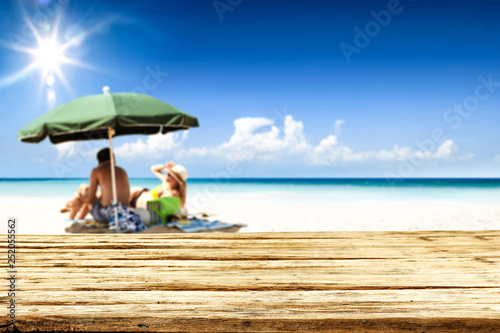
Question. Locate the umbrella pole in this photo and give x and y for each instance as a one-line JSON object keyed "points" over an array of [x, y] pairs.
{"points": [[111, 132]]}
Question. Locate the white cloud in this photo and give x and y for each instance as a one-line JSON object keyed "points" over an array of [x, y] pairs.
{"points": [[150, 146], [245, 144], [295, 139], [197, 152], [497, 158], [445, 150], [72, 148], [330, 151], [260, 139], [66, 148], [244, 127], [396, 154], [338, 126], [154, 146], [326, 144]]}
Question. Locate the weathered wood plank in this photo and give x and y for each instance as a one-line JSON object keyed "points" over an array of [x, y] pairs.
{"points": [[264, 275], [346, 282], [243, 254], [361, 237], [337, 265], [306, 304], [128, 323], [357, 237]]}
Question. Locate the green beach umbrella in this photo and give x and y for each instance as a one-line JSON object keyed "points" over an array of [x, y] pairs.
{"points": [[104, 116], [91, 117]]}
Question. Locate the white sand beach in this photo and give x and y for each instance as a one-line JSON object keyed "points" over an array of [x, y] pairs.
{"points": [[40, 215]]}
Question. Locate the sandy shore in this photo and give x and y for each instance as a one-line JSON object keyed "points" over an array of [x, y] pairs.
{"points": [[40, 215]]}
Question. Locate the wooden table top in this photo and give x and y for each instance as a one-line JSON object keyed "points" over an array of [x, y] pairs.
{"points": [[441, 281]]}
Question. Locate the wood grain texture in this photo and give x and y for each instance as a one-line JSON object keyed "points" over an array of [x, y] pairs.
{"points": [[444, 281]]}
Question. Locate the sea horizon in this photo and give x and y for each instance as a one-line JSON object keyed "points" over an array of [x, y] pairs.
{"points": [[290, 190], [269, 178]]}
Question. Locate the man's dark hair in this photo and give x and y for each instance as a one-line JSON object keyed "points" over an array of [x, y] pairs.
{"points": [[103, 155]]}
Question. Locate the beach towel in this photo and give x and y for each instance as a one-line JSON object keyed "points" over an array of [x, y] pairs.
{"points": [[128, 221], [200, 225], [90, 226], [89, 223]]}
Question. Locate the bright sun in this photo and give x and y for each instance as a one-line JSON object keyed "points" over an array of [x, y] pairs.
{"points": [[49, 55]]}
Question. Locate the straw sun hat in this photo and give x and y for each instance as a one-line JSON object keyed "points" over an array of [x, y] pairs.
{"points": [[179, 173]]}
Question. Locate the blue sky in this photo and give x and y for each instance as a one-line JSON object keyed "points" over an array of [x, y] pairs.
{"points": [[280, 88]]}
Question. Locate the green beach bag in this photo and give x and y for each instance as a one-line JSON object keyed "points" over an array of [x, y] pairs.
{"points": [[161, 208]]}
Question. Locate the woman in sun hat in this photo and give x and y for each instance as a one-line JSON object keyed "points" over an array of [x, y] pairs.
{"points": [[173, 181], [173, 185]]}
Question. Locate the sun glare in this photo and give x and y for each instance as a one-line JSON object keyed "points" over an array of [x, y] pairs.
{"points": [[49, 56], [51, 48], [49, 53]]}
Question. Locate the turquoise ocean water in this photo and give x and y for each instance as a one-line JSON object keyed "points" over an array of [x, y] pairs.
{"points": [[477, 190]]}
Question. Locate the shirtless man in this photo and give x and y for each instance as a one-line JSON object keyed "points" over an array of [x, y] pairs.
{"points": [[101, 176]]}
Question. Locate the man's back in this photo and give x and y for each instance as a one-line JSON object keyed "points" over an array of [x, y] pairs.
{"points": [[101, 176]]}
